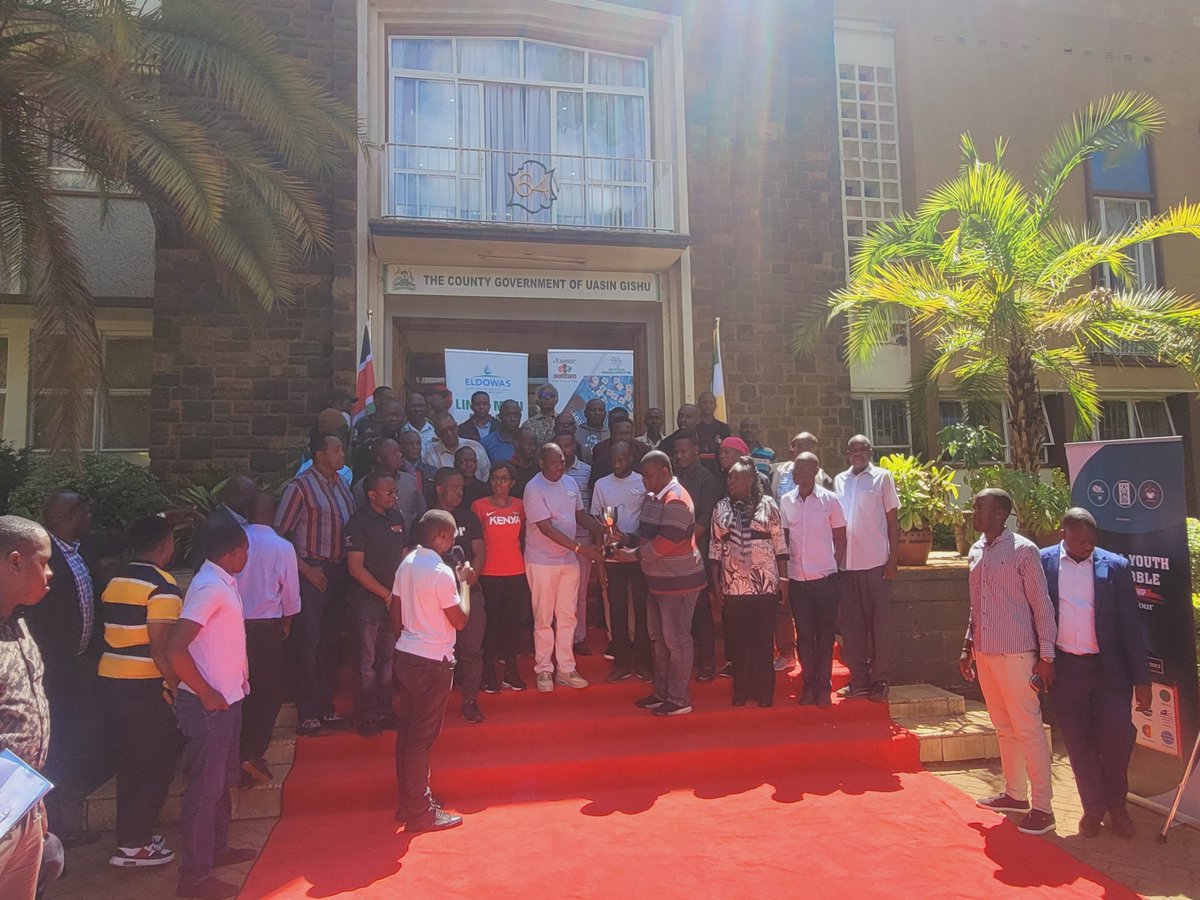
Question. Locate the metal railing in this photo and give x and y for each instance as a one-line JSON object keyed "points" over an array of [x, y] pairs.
{"points": [[527, 188]]}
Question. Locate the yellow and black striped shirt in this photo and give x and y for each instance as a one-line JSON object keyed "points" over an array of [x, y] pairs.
{"points": [[139, 593]]}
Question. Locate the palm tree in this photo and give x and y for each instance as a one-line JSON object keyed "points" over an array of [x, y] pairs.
{"points": [[995, 286], [191, 104]]}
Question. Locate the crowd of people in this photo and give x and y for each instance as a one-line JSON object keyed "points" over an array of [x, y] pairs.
{"points": [[448, 551]]}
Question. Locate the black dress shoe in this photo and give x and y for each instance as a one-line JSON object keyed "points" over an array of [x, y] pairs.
{"points": [[434, 820], [808, 698], [1122, 823], [766, 703], [581, 649], [739, 701], [1089, 826]]}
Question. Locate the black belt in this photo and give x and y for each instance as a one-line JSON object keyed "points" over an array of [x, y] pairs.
{"points": [[1078, 655]]}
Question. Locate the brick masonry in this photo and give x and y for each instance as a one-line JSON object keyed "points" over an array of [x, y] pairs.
{"points": [[929, 619], [764, 193], [235, 385]]}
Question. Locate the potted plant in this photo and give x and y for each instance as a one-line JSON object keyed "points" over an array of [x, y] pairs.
{"points": [[1037, 504], [972, 446], [928, 496]]}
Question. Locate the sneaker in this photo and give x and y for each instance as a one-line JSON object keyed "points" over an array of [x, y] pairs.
{"points": [[208, 889], [609, 654], [310, 728], [879, 692], [667, 708], [233, 856], [545, 682], [1003, 803], [851, 691], [434, 820], [726, 671], [619, 673], [1036, 821], [570, 679], [650, 701], [641, 673], [334, 722], [706, 674], [491, 684], [470, 712], [581, 649], [783, 663], [137, 857], [369, 727], [513, 683]]}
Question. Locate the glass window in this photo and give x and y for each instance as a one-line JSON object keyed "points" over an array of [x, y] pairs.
{"points": [[1115, 214], [618, 71], [889, 425], [1122, 171], [546, 62], [489, 59], [860, 416], [1153, 418], [426, 54], [1114, 423]]}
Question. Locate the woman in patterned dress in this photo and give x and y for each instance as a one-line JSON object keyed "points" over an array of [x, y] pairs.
{"points": [[748, 555]]}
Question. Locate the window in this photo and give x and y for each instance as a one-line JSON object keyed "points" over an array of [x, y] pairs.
{"points": [[1122, 195], [885, 421], [1124, 419], [953, 412], [522, 131], [119, 421]]}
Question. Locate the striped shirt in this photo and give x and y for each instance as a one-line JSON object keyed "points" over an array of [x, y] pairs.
{"points": [[1010, 605], [670, 559], [138, 594], [84, 589], [312, 514]]}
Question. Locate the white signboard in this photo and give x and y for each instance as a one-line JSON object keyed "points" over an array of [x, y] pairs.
{"points": [[1159, 728], [550, 284], [504, 376], [583, 375]]}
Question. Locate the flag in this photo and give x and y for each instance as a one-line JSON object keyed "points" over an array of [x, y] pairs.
{"points": [[364, 386], [718, 372]]}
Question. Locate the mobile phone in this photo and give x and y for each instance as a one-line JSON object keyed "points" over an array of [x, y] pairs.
{"points": [[458, 555], [1035, 682]]}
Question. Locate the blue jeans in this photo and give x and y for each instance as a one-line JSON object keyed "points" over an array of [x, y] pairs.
{"points": [[669, 621], [373, 635], [213, 769]]}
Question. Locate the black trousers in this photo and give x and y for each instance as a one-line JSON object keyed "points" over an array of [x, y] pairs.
{"points": [[505, 598], [268, 685], [1097, 728], [750, 639], [704, 632], [313, 643], [80, 756], [815, 609], [422, 688], [626, 581], [147, 744], [468, 647]]}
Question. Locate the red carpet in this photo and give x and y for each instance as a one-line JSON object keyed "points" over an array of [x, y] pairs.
{"points": [[579, 794]]}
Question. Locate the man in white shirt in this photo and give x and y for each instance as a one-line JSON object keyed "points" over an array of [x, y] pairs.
{"points": [[427, 609], [553, 512], [624, 491], [440, 454], [868, 497], [816, 537], [415, 421], [269, 586], [207, 650]]}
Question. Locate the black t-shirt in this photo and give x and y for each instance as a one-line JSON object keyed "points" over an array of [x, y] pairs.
{"points": [[383, 541], [524, 476], [467, 528], [475, 490], [710, 435], [705, 490]]}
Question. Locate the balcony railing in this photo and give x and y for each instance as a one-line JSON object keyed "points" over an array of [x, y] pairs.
{"points": [[517, 187]]}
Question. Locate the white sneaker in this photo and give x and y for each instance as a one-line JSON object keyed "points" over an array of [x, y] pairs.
{"points": [[570, 679], [545, 682], [784, 663], [153, 854]]}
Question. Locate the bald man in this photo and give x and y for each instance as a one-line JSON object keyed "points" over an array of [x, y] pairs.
{"points": [[781, 476], [237, 503]]}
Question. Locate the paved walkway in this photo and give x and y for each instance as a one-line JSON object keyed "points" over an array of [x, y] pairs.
{"points": [[1152, 869], [1149, 868]]}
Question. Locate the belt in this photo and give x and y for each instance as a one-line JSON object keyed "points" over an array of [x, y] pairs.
{"points": [[1077, 655]]}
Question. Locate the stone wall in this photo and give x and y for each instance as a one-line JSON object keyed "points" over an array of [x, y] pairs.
{"points": [[235, 385], [764, 193], [930, 613]]}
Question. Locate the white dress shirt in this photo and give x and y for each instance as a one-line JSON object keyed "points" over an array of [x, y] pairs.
{"points": [[427, 588], [270, 584], [437, 456], [809, 523], [213, 603], [866, 500], [1076, 605]]}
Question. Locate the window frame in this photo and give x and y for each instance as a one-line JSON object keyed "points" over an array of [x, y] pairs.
{"points": [[865, 402], [1094, 198], [1132, 418], [1006, 430]]}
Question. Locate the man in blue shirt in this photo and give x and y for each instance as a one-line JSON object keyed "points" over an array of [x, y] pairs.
{"points": [[501, 444]]}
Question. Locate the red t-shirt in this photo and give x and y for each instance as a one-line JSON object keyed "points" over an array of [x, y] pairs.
{"points": [[501, 536]]}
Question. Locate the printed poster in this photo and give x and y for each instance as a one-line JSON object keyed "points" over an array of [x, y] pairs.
{"points": [[504, 376], [583, 375]]}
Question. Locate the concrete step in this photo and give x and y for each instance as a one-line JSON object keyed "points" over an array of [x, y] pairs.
{"points": [[916, 700], [968, 735]]}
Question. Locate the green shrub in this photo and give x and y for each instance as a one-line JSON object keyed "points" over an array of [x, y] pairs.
{"points": [[14, 466], [120, 492]]}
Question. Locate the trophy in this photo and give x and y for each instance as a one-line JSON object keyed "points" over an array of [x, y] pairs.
{"points": [[608, 518]]}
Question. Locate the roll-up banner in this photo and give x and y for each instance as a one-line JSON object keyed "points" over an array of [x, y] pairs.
{"points": [[502, 376], [1135, 489], [583, 375]]}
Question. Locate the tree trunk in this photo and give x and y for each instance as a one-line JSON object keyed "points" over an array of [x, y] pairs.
{"points": [[1027, 428]]}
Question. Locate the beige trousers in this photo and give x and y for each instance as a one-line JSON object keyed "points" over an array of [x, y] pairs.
{"points": [[1016, 712]]}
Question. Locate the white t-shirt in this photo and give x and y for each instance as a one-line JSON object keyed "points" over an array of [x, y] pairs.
{"points": [[626, 494], [213, 603], [809, 524], [558, 502], [427, 588], [866, 500], [437, 456]]}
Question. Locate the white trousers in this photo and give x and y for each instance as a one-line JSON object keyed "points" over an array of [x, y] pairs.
{"points": [[555, 591], [1017, 714]]}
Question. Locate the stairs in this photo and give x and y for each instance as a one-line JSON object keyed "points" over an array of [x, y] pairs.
{"points": [[949, 727]]}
